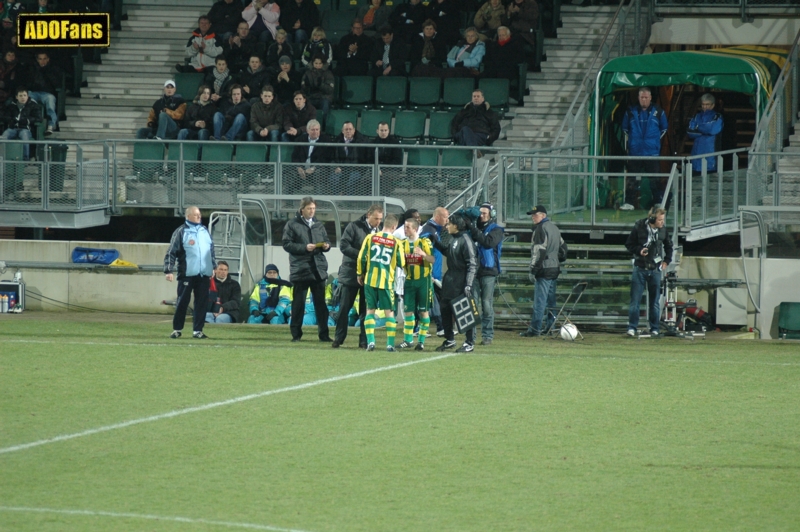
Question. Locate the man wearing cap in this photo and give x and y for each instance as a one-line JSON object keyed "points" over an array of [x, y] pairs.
{"points": [[269, 302], [287, 81], [488, 238], [166, 115], [350, 245], [547, 249]]}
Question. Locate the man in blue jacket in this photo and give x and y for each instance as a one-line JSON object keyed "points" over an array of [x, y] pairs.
{"points": [[644, 125], [704, 129], [191, 254]]}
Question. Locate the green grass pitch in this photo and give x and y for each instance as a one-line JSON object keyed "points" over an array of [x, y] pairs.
{"points": [[108, 425]]}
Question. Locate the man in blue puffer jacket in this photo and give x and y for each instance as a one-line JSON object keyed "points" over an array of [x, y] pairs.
{"points": [[644, 125], [704, 129], [191, 253]]}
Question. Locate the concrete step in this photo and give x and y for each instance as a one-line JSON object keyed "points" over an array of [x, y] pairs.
{"points": [[100, 114], [150, 93], [111, 104]]}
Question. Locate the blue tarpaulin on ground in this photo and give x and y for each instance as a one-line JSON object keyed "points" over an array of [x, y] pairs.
{"points": [[94, 256]]}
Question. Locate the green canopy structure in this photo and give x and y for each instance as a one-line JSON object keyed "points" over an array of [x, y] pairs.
{"points": [[750, 70]]}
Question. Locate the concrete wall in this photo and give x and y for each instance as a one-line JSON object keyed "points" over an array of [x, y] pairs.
{"points": [[117, 290], [725, 31]]}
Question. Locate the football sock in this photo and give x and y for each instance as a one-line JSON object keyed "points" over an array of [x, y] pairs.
{"points": [[391, 330], [369, 328], [423, 329], [408, 328]]}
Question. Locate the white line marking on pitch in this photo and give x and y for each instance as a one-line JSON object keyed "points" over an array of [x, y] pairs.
{"points": [[92, 513], [209, 406]]}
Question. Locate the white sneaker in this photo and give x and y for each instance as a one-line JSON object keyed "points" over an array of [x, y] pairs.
{"points": [[626, 207], [631, 332]]}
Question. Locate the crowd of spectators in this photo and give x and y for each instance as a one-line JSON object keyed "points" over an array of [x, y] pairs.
{"points": [[269, 66]]}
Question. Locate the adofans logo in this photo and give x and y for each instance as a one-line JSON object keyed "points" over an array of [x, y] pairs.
{"points": [[66, 29]]}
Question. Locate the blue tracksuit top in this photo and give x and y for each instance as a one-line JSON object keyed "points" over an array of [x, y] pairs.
{"points": [[199, 250], [644, 128], [704, 128]]}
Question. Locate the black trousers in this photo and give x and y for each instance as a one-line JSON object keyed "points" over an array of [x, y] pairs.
{"points": [[301, 289], [197, 285], [348, 297]]}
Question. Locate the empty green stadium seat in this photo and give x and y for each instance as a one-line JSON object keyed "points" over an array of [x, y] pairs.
{"points": [[457, 92], [439, 129], [337, 117], [390, 92], [495, 91], [148, 160], [356, 92], [215, 154], [424, 93], [251, 152], [789, 320], [422, 157], [410, 125], [187, 84], [456, 157]]}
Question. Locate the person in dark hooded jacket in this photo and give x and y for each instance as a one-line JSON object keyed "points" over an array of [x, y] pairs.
{"points": [[350, 245], [224, 296], [271, 298], [21, 116], [462, 265], [306, 242], [199, 117], [232, 120], [475, 124]]}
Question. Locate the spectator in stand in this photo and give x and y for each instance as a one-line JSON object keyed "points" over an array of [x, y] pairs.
{"points": [[353, 51], [317, 46], [447, 17], [199, 117], [466, 57], [374, 16], [310, 154], [349, 177], [522, 16], [231, 121], [253, 78], [224, 295], [21, 117], [428, 52], [306, 242], [704, 129], [299, 18], [504, 55], [286, 83], [386, 154], [489, 17], [266, 117], [296, 117], [263, 17], [220, 79], [238, 48], [271, 298], [202, 48], [644, 125], [407, 19], [10, 75], [318, 83], [277, 49], [42, 83], [389, 59], [225, 16], [166, 115], [8, 18], [475, 124]]}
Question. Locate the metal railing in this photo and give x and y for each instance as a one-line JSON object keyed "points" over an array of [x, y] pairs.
{"points": [[632, 22]]}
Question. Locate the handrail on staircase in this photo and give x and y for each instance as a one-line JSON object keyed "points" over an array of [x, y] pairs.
{"points": [[588, 78]]}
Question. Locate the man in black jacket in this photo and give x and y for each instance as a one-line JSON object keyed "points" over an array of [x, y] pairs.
{"points": [[224, 296], [20, 118], [306, 241], [42, 83], [308, 154], [349, 178], [239, 48], [353, 52], [462, 264], [225, 16], [388, 56], [166, 115], [651, 247], [232, 121], [475, 124], [488, 238], [350, 245], [547, 250]]}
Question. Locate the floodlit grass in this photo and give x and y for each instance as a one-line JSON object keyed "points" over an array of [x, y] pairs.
{"points": [[606, 434]]}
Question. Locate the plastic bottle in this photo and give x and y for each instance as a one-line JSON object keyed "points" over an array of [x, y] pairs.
{"points": [[3, 304]]}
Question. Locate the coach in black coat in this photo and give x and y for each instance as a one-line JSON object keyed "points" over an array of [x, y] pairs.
{"points": [[306, 242]]}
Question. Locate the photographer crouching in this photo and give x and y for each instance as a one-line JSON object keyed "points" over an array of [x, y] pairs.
{"points": [[651, 247]]}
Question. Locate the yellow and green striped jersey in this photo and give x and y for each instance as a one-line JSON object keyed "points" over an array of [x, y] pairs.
{"points": [[416, 268], [380, 254]]}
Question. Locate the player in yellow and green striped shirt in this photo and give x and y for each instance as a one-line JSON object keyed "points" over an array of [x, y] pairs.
{"points": [[380, 254], [418, 288]]}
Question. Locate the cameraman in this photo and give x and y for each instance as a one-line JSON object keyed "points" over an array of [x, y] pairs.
{"points": [[651, 247], [488, 238]]}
